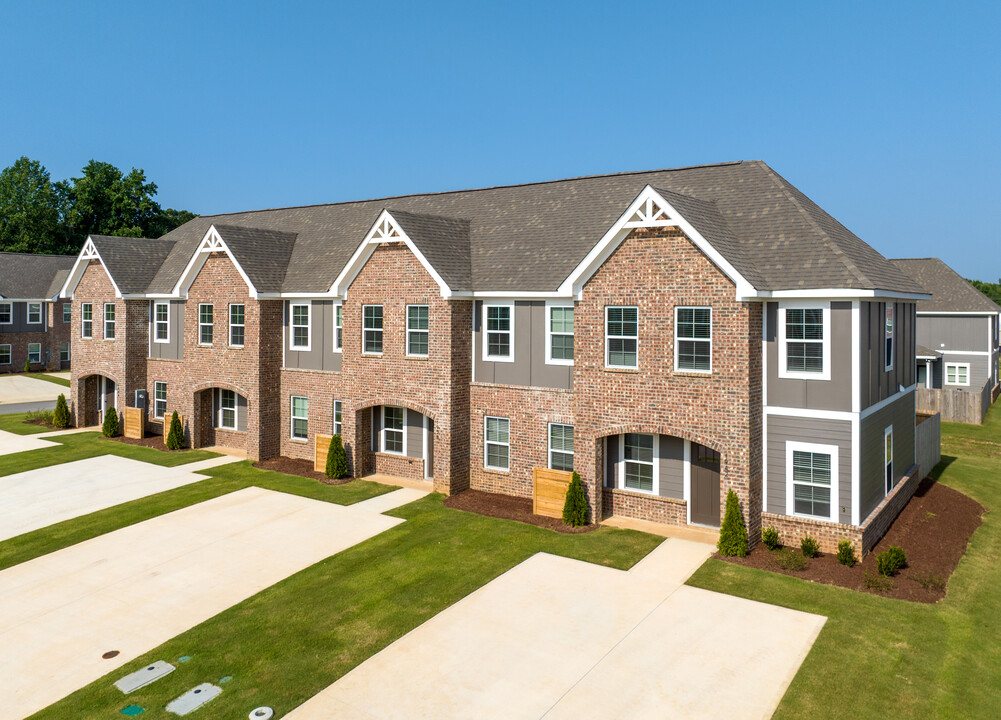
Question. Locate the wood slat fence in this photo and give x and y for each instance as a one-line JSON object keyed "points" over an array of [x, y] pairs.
{"points": [[952, 405], [928, 442], [320, 455], [135, 423], [549, 491]]}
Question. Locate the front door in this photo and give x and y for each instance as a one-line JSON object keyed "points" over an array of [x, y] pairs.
{"points": [[705, 486], [106, 397]]}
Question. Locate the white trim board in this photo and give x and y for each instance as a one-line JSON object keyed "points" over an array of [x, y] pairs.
{"points": [[211, 242], [87, 253]]}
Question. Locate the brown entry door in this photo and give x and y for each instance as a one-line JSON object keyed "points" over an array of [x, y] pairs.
{"points": [[705, 486]]}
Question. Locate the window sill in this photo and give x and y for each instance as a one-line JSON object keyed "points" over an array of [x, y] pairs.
{"points": [[371, 355], [232, 430], [301, 441], [694, 373], [235, 347], [496, 471], [417, 357], [298, 349], [627, 370], [383, 453]]}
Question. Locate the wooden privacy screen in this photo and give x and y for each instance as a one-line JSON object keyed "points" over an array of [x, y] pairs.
{"points": [[549, 491], [135, 423], [320, 458]]}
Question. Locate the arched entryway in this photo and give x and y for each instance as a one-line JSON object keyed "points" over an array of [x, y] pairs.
{"points": [[395, 440], [96, 395], [220, 418]]}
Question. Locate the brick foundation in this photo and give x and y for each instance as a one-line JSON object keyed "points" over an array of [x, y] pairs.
{"points": [[624, 503]]}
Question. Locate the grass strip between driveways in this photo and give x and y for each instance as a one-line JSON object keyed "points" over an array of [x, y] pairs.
{"points": [[64, 381], [15, 423], [880, 658]]}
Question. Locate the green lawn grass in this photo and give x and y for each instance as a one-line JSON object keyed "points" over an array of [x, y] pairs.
{"points": [[14, 423], [64, 381]]}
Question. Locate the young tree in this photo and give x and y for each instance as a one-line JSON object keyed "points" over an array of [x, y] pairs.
{"points": [[61, 415], [337, 459], [575, 503], [175, 436], [733, 532]]}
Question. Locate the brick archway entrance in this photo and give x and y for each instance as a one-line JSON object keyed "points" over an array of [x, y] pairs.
{"points": [[97, 394], [219, 418]]}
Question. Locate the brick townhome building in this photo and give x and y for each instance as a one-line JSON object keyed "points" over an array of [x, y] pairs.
{"points": [[34, 321], [669, 334]]}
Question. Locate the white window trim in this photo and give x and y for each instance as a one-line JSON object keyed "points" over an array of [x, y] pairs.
{"points": [[67, 345], [549, 436], [231, 325], [39, 353], [826, 344], [205, 324], [67, 306], [890, 307], [676, 338], [382, 330], [236, 411], [382, 428], [10, 354], [155, 322], [113, 321], [337, 430], [549, 331], [10, 313], [510, 331], [888, 461], [164, 413], [623, 337], [408, 330], [41, 315], [832, 451], [309, 325], [338, 347], [84, 321], [620, 470], [486, 455], [293, 417], [945, 374]]}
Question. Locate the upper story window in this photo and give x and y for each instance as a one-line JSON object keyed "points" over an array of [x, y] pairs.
{"points": [[67, 312], [805, 342], [34, 313], [621, 336], [236, 327], [206, 322], [6, 314], [417, 330], [372, 329], [498, 338], [161, 322], [86, 321], [693, 332], [888, 336], [338, 327], [300, 326], [109, 321], [559, 334]]}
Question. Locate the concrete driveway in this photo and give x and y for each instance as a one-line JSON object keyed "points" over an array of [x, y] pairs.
{"points": [[560, 638], [135, 588], [22, 389]]}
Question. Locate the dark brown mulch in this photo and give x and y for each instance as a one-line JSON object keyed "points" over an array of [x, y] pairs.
{"points": [[43, 423], [508, 508], [302, 468], [151, 441], [933, 529]]}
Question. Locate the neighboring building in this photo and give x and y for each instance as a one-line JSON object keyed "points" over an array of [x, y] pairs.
{"points": [[958, 339], [669, 334], [34, 322]]}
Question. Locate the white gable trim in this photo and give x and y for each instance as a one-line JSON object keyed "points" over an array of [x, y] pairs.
{"points": [[87, 253], [211, 242], [385, 230], [649, 209]]}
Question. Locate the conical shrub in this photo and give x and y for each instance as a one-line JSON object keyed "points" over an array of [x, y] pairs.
{"points": [[575, 504], [337, 459], [175, 436], [110, 427], [733, 532], [61, 415]]}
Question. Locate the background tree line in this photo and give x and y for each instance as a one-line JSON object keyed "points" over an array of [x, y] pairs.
{"points": [[41, 216], [991, 290]]}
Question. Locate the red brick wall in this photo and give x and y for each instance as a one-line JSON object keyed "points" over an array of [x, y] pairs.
{"points": [[321, 388], [644, 507]]}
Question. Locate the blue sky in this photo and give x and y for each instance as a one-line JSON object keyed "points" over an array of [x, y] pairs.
{"points": [[886, 114]]}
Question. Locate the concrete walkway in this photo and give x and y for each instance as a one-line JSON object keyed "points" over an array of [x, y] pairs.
{"points": [[22, 389], [137, 587], [560, 638]]}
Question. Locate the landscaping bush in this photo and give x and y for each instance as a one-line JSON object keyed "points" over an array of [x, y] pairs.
{"points": [[810, 547], [789, 559], [175, 436], [733, 532], [110, 427], [27, 365], [575, 504], [890, 561], [337, 459], [61, 416], [770, 537], [35, 417], [846, 553], [874, 581]]}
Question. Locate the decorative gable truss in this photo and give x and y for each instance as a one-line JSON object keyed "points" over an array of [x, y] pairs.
{"points": [[212, 242], [88, 253]]}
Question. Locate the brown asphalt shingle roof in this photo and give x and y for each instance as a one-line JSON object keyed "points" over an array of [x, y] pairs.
{"points": [[132, 262], [949, 291], [30, 276]]}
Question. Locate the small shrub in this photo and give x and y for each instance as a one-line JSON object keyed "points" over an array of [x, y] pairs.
{"points": [[733, 532], [846, 553], [575, 503], [27, 365], [175, 435], [38, 416], [789, 559], [110, 426], [337, 459], [810, 547], [890, 561], [929, 581], [879, 583], [61, 416], [770, 537]]}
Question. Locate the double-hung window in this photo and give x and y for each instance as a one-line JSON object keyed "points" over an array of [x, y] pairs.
{"points": [[6, 314], [693, 332], [497, 443], [559, 334], [300, 418], [236, 327], [417, 330], [67, 312], [86, 321], [392, 429], [34, 352], [227, 409], [957, 373], [34, 313], [560, 447], [109, 321], [804, 335], [888, 337], [300, 326], [638, 468], [338, 327], [4, 354], [159, 399], [811, 471], [498, 340], [337, 417], [206, 321], [372, 329], [64, 352], [161, 322], [621, 336]]}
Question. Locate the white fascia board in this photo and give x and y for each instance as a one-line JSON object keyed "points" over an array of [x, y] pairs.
{"points": [[514, 295], [374, 238], [957, 313], [300, 295], [87, 253], [574, 283], [211, 242], [809, 413], [836, 293]]}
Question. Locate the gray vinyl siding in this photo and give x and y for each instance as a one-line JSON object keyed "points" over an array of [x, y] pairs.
{"points": [[529, 368], [241, 410], [876, 382], [954, 332], [833, 394], [19, 319], [672, 467], [783, 429], [415, 434], [321, 355], [979, 376], [172, 350], [899, 414]]}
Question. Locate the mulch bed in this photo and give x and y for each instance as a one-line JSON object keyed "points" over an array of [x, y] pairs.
{"points": [[43, 423], [152, 441], [302, 468], [934, 530], [509, 508]]}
